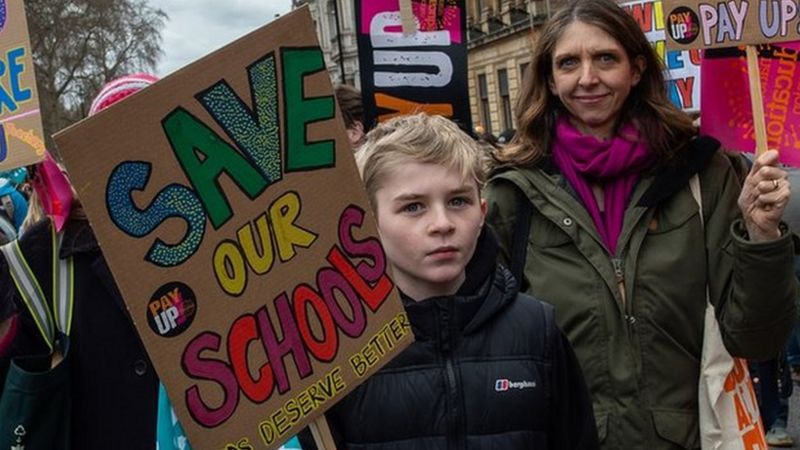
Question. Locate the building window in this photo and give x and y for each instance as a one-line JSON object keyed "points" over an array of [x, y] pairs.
{"points": [[505, 99], [332, 25], [483, 95]]}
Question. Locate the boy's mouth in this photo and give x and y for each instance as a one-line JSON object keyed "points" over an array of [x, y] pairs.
{"points": [[443, 251]]}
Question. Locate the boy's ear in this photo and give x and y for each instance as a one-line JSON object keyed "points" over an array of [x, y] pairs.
{"points": [[484, 208]]}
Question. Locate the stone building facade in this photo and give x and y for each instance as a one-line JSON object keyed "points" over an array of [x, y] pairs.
{"points": [[334, 36], [499, 42]]}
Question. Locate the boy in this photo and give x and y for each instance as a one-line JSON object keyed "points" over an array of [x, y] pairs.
{"points": [[489, 368]]}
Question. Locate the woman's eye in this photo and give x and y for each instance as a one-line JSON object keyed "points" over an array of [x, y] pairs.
{"points": [[567, 63], [607, 58]]}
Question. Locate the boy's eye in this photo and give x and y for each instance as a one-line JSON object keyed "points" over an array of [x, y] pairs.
{"points": [[412, 207], [460, 202]]}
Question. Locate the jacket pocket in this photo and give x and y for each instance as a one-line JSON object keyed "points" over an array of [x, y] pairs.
{"points": [[678, 426]]}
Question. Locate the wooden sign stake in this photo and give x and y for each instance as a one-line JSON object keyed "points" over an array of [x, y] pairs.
{"points": [[322, 433], [407, 18], [756, 100]]}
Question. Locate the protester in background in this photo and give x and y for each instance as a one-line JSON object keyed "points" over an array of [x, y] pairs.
{"points": [[474, 333], [603, 161], [506, 137], [772, 383], [19, 179], [113, 383], [13, 205], [352, 107], [488, 139]]}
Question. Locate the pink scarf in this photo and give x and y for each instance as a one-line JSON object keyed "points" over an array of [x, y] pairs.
{"points": [[614, 164]]}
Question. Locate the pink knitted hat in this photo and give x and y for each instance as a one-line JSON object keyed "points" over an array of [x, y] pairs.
{"points": [[120, 88], [51, 184]]}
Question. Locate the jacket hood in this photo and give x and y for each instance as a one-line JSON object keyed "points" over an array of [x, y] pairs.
{"points": [[488, 288]]}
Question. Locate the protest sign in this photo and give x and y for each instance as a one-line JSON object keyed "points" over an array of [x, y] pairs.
{"points": [[683, 66], [726, 111], [730, 24], [702, 24], [21, 135], [226, 200], [423, 71]]}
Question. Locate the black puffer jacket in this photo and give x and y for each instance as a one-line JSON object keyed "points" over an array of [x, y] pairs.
{"points": [[489, 370]]}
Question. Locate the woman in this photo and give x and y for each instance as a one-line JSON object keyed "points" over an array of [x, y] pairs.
{"points": [[615, 239]]}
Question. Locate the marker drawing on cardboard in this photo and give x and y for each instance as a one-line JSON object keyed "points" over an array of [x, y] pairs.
{"points": [[21, 135], [229, 208]]}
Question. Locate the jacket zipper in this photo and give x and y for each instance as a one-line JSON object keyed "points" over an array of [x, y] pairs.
{"points": [[451, 382], [630, 319], [620, 276]]}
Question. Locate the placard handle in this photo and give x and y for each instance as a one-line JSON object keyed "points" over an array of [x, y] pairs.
{"points": [[756, 99], [322, 433], [407, 18]]}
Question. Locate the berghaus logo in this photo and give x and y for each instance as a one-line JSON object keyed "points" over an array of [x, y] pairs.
{"points": [[502, 385]]}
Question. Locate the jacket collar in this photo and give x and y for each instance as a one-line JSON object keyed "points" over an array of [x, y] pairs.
{"points": [[673, 178], [487, 289], [78, 238]]}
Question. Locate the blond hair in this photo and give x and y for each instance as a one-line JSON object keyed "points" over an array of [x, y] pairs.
{"points": [[35, 211], [418, 138]]}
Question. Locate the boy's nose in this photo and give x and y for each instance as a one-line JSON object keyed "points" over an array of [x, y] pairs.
{"points": [[441, 222]]}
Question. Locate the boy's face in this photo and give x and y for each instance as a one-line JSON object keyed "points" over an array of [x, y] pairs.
{"points": [[429, 220]]}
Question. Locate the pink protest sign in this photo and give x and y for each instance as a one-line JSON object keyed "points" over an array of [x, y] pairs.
{"points": [[683, 66], [726, 112]]}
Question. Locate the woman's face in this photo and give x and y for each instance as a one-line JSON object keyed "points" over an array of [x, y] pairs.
{"points": [[592, 75]]}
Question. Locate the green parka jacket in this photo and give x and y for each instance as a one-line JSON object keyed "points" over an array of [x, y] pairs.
{"points": [[640, 352]]}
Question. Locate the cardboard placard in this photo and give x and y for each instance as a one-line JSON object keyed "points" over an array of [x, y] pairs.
{"points": [[405, 73], [21, 135], [228, 205], [683, 66], [713, 24]]}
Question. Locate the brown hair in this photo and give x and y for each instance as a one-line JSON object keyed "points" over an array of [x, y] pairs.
{"points": [[349, 99], [664, 127]]}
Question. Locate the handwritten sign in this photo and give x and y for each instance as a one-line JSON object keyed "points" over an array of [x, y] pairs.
{"points": [[706, 24], [21, 135], [423, 71], [229, 208], [683, 66]]}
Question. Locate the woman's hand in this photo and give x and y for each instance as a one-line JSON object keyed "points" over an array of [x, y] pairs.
{"points": [[764, 197]]}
